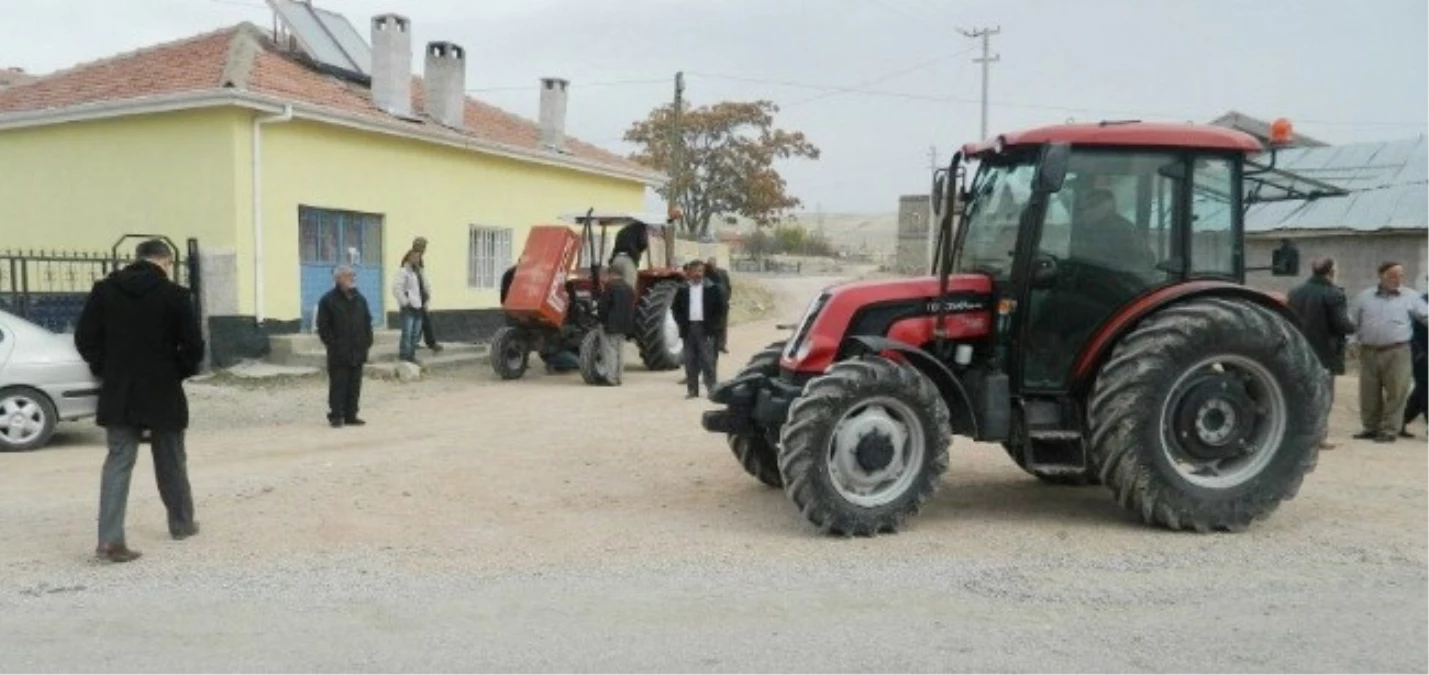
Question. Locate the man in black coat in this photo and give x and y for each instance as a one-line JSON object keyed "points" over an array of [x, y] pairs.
{"points": [[345, 327], [1419, 398], [699, 312], [140, 335], [616, 309], [1324, 318], [720, 277]]}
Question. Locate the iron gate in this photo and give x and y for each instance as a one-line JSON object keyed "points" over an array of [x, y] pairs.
{"points": [[49, 288]]}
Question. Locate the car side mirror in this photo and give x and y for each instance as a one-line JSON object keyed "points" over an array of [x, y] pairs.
{"points": [[1052, 170], [1285, 260]]}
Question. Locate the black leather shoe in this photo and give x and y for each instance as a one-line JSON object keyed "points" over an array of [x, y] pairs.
{"points": [[183, 532], [353, 422], [336, 424]]}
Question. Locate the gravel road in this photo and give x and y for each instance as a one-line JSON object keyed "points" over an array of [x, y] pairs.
{"points": [[542, 525]]}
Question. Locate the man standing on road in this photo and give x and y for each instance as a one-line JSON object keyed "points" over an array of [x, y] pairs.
{"points": [[420, 246], [719, 277], [140, 335], [1324, 319], [345, 328], [1384, 314], [616, 309], [698, 308], [1419, 398]]}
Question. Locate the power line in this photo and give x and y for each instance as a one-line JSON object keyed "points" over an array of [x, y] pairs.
{"points": [[882, 78], [583, 85]]}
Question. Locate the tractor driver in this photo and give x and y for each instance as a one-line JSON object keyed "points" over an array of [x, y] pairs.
{"points": [[1103, 237]]}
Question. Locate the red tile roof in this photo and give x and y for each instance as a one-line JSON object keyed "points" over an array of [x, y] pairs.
{"points": [[245, 58]]}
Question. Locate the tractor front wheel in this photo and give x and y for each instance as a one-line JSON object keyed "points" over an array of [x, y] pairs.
{"points": [[865, 446], [1208, 415], [595, 368], [755, 451], [656, 333], [510, 353]]}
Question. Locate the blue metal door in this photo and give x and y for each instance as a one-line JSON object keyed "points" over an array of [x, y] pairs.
{"points": [[327, 238]]}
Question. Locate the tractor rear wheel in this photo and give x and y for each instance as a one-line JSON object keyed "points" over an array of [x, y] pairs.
{"points": [[755, 451], [656, 333], [510, 353], [865, 446], [595, 368], [1090, 476], [1208, 415]]}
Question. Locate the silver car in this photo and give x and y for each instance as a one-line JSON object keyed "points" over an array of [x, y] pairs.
{"points": [[43, 381]]}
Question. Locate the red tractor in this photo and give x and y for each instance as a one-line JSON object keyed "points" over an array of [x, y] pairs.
{"points": [[1089, 314], [550, 298]]}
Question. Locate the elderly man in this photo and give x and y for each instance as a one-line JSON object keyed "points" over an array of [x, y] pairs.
{"points": [[139, 333], [345, 328], [1385, 314]]}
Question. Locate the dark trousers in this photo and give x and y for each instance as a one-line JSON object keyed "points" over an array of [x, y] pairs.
{"points": [[1419, 398], [344, 388], [428, 335], [170, 473], [699, 358]]}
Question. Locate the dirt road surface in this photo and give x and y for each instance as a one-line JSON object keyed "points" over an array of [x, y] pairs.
{"points": [[543, 525]]}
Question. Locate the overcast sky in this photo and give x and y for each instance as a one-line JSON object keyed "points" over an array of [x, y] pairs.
{"points": [[1342, 71]]}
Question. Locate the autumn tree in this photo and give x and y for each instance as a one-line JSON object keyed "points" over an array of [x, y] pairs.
{"points": [[726, 162]]}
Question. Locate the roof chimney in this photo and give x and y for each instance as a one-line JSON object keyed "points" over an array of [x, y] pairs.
{"points": [[445, 83], [392, 64], [553, 112]]}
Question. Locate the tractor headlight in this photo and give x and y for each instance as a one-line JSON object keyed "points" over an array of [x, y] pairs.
{"points": [[799, 345]]}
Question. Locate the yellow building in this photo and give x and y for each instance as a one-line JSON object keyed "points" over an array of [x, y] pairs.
{"points": [[282, 166]]}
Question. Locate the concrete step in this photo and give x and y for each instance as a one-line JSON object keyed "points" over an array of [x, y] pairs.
{"points": [[380, 353], [280, 346], [389, 370]]}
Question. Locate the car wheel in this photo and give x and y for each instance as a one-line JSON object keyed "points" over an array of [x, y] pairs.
{"points": [[27, 419]]}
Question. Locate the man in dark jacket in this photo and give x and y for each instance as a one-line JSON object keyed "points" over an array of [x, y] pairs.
{"points": [[720, 277], [1324, 318], [616, 309], [1419, 398], [699, 312], [345, 327], [140, 335]]}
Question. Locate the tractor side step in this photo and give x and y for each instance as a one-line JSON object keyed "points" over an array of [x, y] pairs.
{"points": [[1055, 435]]}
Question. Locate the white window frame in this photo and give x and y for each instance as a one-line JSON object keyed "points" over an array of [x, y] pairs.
{"points": [[488, 255]]}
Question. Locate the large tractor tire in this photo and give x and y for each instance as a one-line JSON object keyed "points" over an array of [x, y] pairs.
{"points": [[865, 446], [655, 331], [1090, 476], [595, 368], [755, 451], [510, 353], [1208, 415]]}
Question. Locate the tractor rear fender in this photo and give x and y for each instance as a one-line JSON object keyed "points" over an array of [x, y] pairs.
{"points": [[961, 411], [1110, 333]]}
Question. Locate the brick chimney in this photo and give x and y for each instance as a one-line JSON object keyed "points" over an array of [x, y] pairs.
{"points": [[392, 64], [553, 113], [445, 82]]}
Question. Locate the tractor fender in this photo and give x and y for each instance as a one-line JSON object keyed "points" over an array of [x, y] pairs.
{"points": [[955, 395], [1110, 332]]}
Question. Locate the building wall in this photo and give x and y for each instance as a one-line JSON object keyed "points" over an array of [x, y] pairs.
{"points": [[81, 186], [912, 252], [1357, 255], [420, 189]]}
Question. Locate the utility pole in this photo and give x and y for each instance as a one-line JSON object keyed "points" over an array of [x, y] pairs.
{"points": [[986, 60], [677, 157]]}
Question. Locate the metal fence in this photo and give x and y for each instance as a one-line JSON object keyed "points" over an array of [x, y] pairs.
{"points": [[49, 288]]}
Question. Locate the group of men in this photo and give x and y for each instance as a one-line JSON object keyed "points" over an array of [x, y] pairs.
{"points": [[1388, 322]]}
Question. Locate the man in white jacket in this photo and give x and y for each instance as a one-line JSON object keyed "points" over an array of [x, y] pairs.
{"points": [[407, 288]]}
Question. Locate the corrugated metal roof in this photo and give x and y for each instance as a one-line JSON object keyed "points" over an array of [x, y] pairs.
{"points": [[1388, 184]]}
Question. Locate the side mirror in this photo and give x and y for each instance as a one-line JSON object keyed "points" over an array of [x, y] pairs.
{"points": [[1285, 260], [939, 197], [1052, 170]]}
